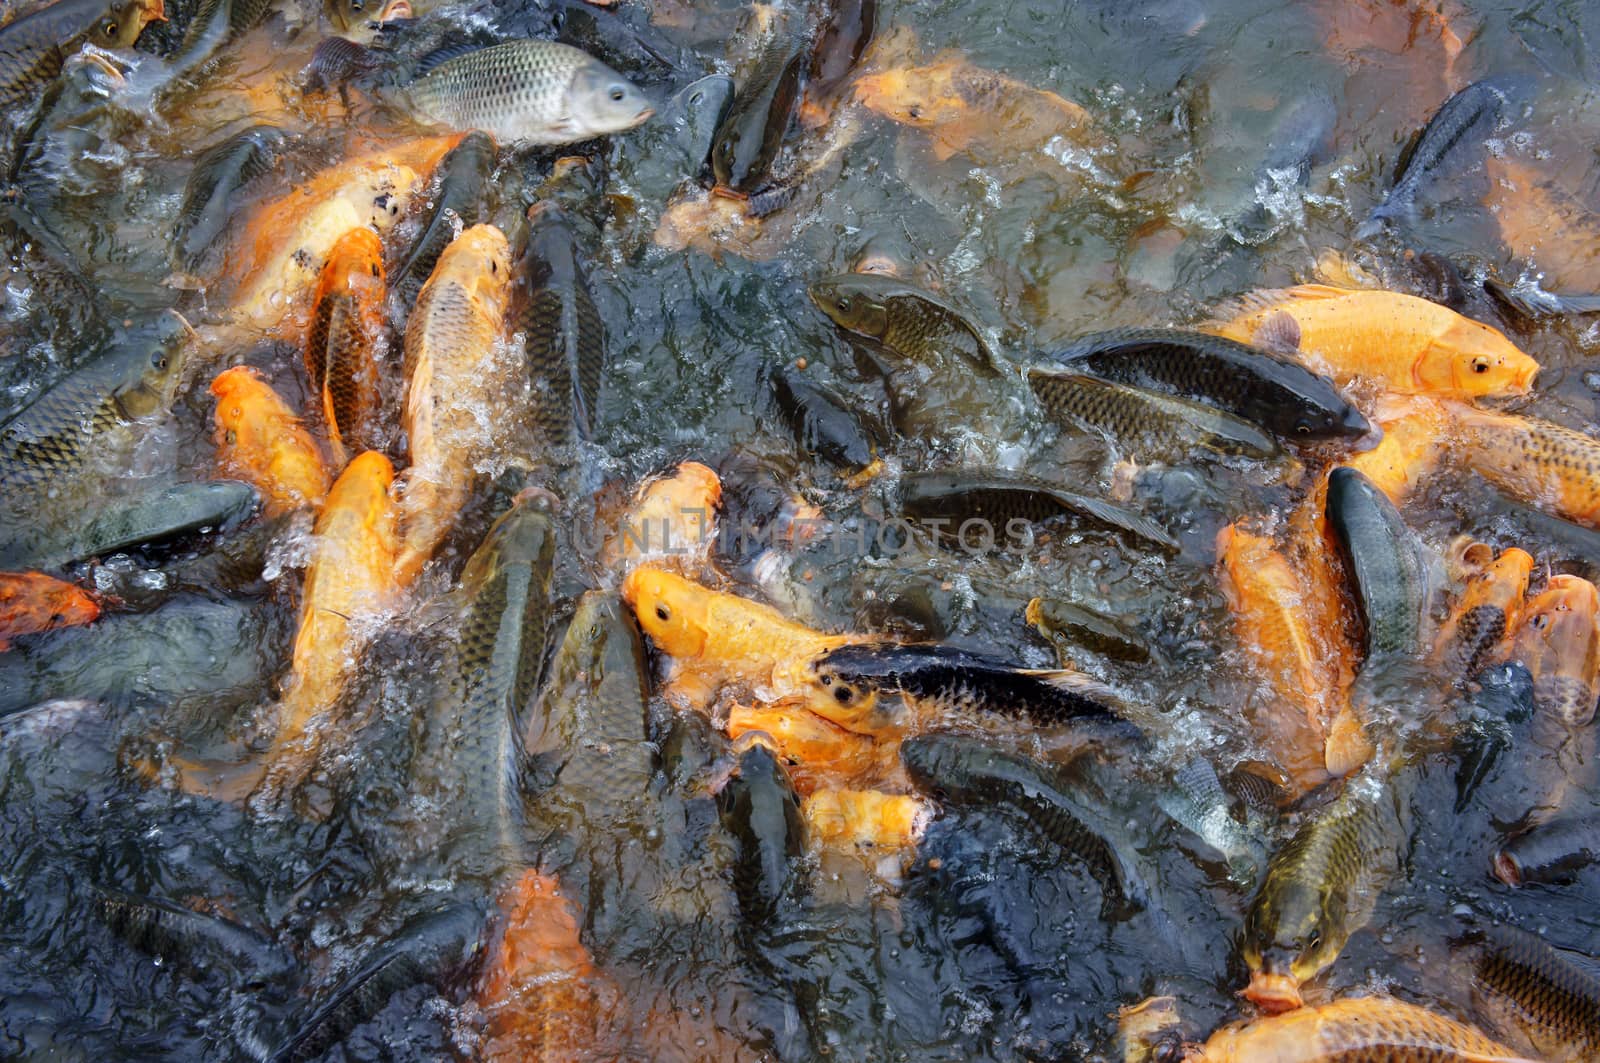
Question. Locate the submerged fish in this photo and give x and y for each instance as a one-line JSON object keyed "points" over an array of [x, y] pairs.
{"points": [[1405, 343], [463, 179], [749, 136], [220, 174], [526, 92], [1321, 887], [455, 376], [192, 940], [347, 343], [1542, 995], [677, 146], [1415, 438], [820, 754], [825, 426], [1146, 424], [261, 441], [1360, 1030], [1554, 230], [1552, 852], [841, 41], [34, 46], [760, 809], [1001, 501], [865, 819], [32, 601], [1195, 798], [1484, 618], [1559, 642], [671, 524], [1069, 625], [1283, 397], [1542, 464]]}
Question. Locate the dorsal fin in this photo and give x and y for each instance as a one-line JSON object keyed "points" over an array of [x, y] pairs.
{"points": [[439, 56], [1271, 298]]}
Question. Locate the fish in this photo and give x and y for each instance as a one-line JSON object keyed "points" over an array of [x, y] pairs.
{"points": [[34, 46], [539, 988], [1536, 993], [760, 809], [959, 771], [843, 38], [1145, 424], [194, 941], [1552, 852], [676, 146], [1281, 396], [276, 257], [945, 681], [471, 760], [463, 180], [912, 323], [818, 753], [1542, 464], [350, 16], [1405, 343], [349, 581], [1069, 625], [1416, 437], [750, 134], [1463, 122], [1375, 1029], [990, 498], [1485, 616], [213, 23], [526, 92], [554, 309], [1559, 642], [967, 110], [671, 524], [347, 343], [231, 564], [1298, 658], [1540, 221], [824, 425], [1195, 799], [219, 178], [1321, 887], [865, 820], [1151, 1031], [1504, 696], [437, 946], [717, 640], [455, 374], [336, 61], [1386, 564], [261, 442], [31, 602]]}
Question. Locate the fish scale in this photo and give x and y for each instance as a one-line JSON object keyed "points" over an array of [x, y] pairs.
{"points": [[564, 335], [464, 176], [1147, 422], [1527, 985], [218, 174], [1539, 462], [1355, 1030]]}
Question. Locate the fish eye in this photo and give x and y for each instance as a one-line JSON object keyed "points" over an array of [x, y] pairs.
{"points": [[617, 93], [1303, 428], [1480, 364], [827, 679], [494, 267], [843, 303], [1314, 941], [663, 613], [158, 360], [843, 695], [374, 269], [111, 29], [914, 112]]}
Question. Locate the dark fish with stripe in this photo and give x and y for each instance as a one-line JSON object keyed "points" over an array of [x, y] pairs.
{"points": [[760, 808], [34, 46], [825, 426], [463, 183], [1146, 423], [964, 772], [1385, 562], [947, 680], [1002, 498], [1548, 996], [213, 190], [1550, 853], [749, 137], [1288, 400], [192, 940]]}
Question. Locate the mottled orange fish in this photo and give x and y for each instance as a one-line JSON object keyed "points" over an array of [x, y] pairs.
{"points": [[1544, 464], [717, 640], [965, 109], [1542, 222], [714, 225], [539, 988], [1425, 35], [866, 819], [457, 370], [261, 441], [821, 754], [347, 342], [1414, 439], [32, 601], [1268, 599], [1485, 616], [671, 524], [1559, 641], [1405, 343], [1359, 1030]]}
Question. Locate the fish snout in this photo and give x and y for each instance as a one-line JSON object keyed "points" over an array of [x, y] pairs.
{"points": [[1271, 992]]}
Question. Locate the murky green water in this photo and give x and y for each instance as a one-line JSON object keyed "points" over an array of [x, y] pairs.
{"points": [[989, 945]]}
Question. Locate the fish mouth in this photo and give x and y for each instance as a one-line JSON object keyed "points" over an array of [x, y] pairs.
{"points": [[154, 10], [1273, 993], [644, 115], [1507, 869], [724, 192]]}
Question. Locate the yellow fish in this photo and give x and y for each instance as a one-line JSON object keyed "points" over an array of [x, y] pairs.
{"points": [[1546, 465], [1363, 1028], [866, 819], [262, 442]]}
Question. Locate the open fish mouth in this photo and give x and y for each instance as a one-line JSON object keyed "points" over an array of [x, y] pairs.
{"points": [[1273, 993]]}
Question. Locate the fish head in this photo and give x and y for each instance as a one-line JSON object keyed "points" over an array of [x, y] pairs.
{"points": [[157, 358], [479, 260], [693, 490], [240, 392], [124, 20], [853, 304], [345, 14], [695, 113], [1470, 358], [850, 702], [923, 97], [1291, 934], [1559, 641], [356, 261], [600, 101], [671, 610]]}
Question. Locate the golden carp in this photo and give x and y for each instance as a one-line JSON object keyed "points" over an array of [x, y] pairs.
{"points": [[346, 342], [261, 441], [1405, 343], [1487, 613], [1414, 439], [866, 819], [33, 601], [672, 523], [1544, 223], [454, 339], [1559, 641], [821, 754], [1546, 465], [1361, 1030]]}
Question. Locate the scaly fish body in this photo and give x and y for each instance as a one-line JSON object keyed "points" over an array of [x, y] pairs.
{"points": [[823, 425], [1385, 562], [1267, 597], [1286, 398], [1069, 625], [759, 807], [453, 348], [32, 602], [34, 46], [1484, 618], [528, 92], [671, 524], [996, 500], [821, 754], [347, 342], [261, 441], [1403, 342], [219, 174], [1463, 123], [1545, 465], [865, 820], [718, 640], [910, 322], [1559, 642], [1526, 987], [194, 941], [1146, 423], [1321, 887], [751, 133], [463, 177], [1360, 1030]]}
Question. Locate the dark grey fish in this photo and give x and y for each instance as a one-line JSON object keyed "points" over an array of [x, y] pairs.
{"points": [[163, 514], [463, 182], [843, 38], [749, 137], [676, 145], [1527, 987], [1461, 125], [1001, 498], [193, 940], [1069, 625], [1532, 301], [823, 425], [761, 810], [1552, 852], [1385, 561], [1504, 697], [214, 23], [219, 175]]}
